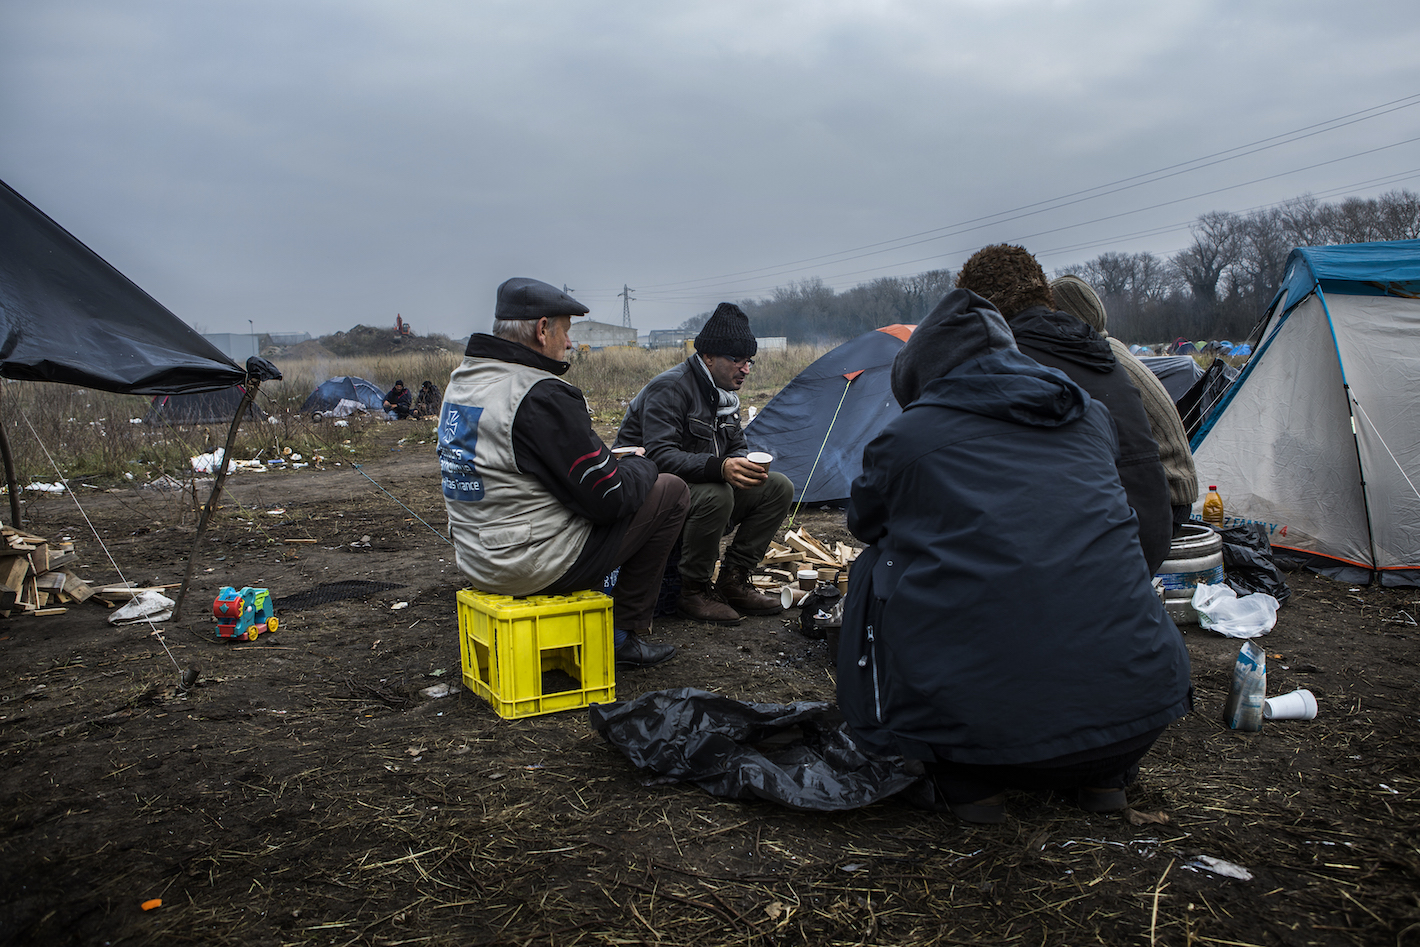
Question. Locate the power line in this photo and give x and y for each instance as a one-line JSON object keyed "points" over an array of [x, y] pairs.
{"points": [[1072, 198]]}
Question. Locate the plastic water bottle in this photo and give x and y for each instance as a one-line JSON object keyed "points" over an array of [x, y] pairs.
{"points": [[1213, 508]]}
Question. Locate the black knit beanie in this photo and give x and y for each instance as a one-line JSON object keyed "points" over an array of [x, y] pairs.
{"points": [[727, 333], [962, 327]]}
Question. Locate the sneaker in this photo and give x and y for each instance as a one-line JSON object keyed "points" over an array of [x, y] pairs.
{"points": [[635, 652], [734, 586], [700, 601]]}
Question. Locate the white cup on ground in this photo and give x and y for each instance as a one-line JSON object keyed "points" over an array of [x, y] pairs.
{"points": [[808, 578], [760, 457], [1298, 705], [789, 596]]}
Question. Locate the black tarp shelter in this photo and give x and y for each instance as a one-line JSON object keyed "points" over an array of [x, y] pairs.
{"points": [[67, 316]]}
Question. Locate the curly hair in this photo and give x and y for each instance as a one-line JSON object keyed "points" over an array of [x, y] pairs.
{"points": [[1008, 276]]}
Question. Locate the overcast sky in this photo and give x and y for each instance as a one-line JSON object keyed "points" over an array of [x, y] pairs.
{"points": [[310, 166]]}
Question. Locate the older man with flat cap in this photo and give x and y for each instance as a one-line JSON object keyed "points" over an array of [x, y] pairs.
{"points": [[537, 504]]}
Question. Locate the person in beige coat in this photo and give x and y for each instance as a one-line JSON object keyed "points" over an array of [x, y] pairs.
{"points": [[1078, 298]]}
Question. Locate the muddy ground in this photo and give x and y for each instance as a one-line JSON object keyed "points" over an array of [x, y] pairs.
{"points": [[304, 793]]}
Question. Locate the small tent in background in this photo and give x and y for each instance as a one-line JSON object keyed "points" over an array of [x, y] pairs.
{"points": [[819, 423], [208, 407], [332, 391], [1318, 437]]}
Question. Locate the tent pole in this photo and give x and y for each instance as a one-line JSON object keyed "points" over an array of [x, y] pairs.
{"points": [[252, 384], [10, 478]]}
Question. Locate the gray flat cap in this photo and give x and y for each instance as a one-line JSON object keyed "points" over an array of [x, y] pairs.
{"points": [[524, 298]]}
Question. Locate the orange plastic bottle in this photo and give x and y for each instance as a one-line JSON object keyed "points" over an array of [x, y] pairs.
{"points": [[1213, 508]]}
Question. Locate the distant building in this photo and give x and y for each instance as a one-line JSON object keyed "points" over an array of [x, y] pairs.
{"points": [[669, 338], [773, 343], [288, 338], [599, 335], [237, 346]]}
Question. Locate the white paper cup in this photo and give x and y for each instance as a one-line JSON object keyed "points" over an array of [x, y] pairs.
{"points": [[760, 457], [808, 578], [790, 596], [1298, 705]]}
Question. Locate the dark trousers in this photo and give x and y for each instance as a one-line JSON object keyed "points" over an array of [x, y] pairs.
{"points": [[641, 555], [756, 512], [1109, 767]]}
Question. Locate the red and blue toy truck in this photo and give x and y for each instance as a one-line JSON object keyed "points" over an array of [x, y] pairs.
{"points": [[243, 613]]}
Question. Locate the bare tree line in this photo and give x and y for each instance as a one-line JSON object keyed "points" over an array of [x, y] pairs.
{"points": [[1215, 288]]}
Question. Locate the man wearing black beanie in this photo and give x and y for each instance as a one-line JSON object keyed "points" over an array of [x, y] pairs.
{"points": [[688, 421]]}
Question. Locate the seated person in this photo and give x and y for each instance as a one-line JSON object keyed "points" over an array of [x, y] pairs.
{"points": [[1079, 299], [1002, 626], [688, 421], [1012, 281], [537, 503], [397, 401], [426, 405]]}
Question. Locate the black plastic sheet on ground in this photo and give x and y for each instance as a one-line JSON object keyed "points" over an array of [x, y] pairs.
{"points": [[1248, 564], [799, 755]]}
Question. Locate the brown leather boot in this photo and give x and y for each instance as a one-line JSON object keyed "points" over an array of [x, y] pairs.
{"points": [[743, 597], [700, 601]]}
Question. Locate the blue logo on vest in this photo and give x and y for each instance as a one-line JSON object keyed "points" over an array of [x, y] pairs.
{"points": [[458, 440]]}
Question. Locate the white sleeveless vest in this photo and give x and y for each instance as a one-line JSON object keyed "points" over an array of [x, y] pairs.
{"points": [[511, 536]]}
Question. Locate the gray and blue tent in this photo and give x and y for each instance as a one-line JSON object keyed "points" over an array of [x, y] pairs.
{"points": [[332, 391], [1317, 438]]}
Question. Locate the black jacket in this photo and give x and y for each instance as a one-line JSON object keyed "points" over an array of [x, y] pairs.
{"points": [[674, 419], [1059, 340], [1003, 613]]}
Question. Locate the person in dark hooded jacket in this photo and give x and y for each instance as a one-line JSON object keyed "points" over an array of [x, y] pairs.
{"points": [[1002, 626], [1012, 281]]}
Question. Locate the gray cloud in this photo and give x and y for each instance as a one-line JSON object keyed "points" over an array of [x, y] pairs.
{"points": [[315, 165]]}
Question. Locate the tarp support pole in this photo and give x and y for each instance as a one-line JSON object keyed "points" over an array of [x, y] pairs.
{"points": [[10, 478], [253, 382]]}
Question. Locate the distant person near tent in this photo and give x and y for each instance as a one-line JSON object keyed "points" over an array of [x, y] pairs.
{"points": [[1001, 626], [537, 504], [688, 421], [398, 402], [1079, 299], [426, 404], [1015, 284]]}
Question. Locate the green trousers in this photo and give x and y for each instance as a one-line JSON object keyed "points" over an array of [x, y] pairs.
{"points": [[755, 513]]}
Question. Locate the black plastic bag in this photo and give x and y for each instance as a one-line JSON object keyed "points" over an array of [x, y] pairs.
{"points": [[799, 755], [1247, 562]]}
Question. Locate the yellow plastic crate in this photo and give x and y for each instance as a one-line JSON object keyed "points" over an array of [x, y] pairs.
{"points": [[537, 655]]}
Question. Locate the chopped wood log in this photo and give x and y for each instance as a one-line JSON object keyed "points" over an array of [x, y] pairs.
{"points": [[13, 570], [42, 612], [76, 588]]}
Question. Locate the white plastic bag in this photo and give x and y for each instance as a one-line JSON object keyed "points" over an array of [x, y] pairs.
{"points": [[1221, 610], [148, 605]]}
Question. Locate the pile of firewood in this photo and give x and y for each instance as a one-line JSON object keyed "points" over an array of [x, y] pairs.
{"points": [[32, 575], [35, 578], [799, 550]]}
